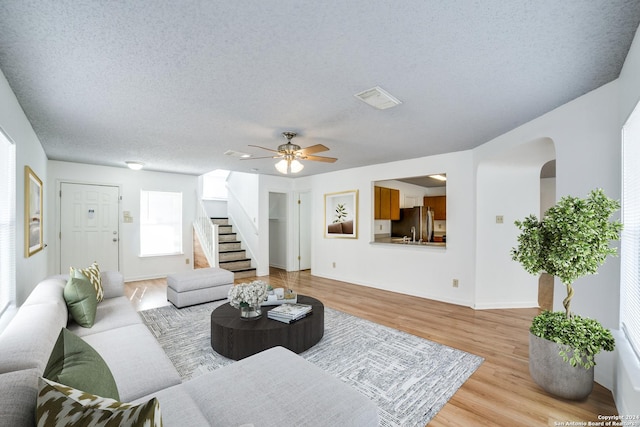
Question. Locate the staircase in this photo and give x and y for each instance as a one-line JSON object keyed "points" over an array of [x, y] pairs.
{"points": [[230, 254]]}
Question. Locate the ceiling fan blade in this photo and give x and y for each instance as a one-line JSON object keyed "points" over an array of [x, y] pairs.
{"points": [[255, 158], [264, 148], [313, 149], [319, 159]]}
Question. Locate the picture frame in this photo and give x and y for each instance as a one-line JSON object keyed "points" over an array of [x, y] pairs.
{"points": [[33, 219], [341, 215]]}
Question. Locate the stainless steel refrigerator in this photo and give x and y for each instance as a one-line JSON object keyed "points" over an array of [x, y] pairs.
{"points": [[419, 219]]}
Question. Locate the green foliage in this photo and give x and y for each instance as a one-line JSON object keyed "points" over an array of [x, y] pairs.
{"points": [[341, 213], [571, 240], [580, 338]]}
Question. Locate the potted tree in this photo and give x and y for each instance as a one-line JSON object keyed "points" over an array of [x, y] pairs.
{"points": [[570, 241]]}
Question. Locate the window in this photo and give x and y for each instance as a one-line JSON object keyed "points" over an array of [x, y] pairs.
{"points": [[160, 223], [7, 222], [214, 184], [630, 238]]}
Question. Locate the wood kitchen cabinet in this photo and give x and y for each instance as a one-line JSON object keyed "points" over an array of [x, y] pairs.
{"points": [[386, 203], [438, 205]]}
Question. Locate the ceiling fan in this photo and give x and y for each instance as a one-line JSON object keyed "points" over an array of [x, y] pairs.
{"points": [[291, 154]]}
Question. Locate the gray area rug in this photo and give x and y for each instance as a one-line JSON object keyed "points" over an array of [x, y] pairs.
{"points": [[409, 378]]}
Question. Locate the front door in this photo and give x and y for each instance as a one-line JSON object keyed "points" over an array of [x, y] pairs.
{"points": [[89, 226]]}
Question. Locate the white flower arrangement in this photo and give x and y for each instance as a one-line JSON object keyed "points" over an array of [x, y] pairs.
{"points": [[249, 294]]}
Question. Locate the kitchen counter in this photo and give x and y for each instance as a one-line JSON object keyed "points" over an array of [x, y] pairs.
{"points": [[398, 241]]}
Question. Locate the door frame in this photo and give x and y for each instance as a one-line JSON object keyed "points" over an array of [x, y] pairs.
{"points": [[300, 222], [58, 219]]}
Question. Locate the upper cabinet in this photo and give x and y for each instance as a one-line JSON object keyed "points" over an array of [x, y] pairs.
{"points": [[386, 203], [439, 206]]}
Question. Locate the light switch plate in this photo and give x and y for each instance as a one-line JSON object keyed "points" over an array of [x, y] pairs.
{"points": [[499, 219]]}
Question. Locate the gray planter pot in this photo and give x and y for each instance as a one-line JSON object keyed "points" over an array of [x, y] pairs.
{"points": [[555, 375]]}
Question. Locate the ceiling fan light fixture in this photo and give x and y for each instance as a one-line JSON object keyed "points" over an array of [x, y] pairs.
{"points": [[296, 166], [282, 166]]}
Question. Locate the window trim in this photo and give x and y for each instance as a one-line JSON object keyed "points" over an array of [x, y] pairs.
{"points": [[8, 272]]}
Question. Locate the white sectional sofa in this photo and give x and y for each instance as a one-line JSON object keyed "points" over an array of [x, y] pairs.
{"points": [[273, 388]]}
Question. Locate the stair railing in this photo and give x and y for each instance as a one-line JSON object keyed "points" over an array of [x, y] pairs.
{"points": [[207, 233]]}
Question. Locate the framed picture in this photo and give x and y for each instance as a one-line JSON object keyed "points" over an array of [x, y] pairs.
{"points": [[341, 215], [33, 241]]}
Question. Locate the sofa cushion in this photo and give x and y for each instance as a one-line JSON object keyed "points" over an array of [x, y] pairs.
{"points": [[19, 391], [112, 313], [112, 284], [75, 363], [93, 274], [61, 405], [138, 363], [82, 300], [28, 339], [318, 400], [47, 291]]}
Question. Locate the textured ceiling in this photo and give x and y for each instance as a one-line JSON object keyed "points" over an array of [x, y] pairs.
{"points": [[175, 84]]}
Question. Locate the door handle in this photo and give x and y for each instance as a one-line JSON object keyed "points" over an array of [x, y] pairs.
{"points": [[115, 239]]}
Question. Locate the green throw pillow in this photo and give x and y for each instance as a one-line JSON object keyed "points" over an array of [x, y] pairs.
{"points": [[59, 405], [93, 274], [82, 301], [76, 364]]}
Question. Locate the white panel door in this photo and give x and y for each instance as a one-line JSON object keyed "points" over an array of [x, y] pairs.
{"points": [[89, 226]]}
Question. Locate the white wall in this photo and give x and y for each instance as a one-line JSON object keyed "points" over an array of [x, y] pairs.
{"points": [[421, 271], [131, 182], [547, 194], [215, 208], [29, 152]]}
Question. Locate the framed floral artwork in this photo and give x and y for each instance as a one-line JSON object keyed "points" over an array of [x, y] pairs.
{"points": [[33, 232], [341, 215]]}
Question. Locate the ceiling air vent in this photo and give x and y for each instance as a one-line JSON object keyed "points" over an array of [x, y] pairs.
{"points": [[378, 98]]}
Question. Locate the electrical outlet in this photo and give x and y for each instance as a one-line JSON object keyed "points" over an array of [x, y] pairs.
{"points": [[380, 227], [186, 261], [455, 283], [334, 264]]}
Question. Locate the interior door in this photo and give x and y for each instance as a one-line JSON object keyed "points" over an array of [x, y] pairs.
{"points": [[89, 226], [304, 232]]}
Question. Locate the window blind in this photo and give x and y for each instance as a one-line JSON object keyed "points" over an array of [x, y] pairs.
{"points": [[7, 222], [160, 223], [630, 236]]}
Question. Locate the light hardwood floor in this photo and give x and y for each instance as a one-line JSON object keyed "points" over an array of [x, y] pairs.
{"points": [[499, 393]]}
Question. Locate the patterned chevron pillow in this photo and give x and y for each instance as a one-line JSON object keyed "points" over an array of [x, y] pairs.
{"points": [[59, 405], [93, 274]]}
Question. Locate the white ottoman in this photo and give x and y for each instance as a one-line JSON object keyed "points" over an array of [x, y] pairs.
{"points": [[198, 286]]}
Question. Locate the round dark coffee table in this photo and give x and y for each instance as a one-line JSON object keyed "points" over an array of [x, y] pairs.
{"points": [[236, 339]]}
